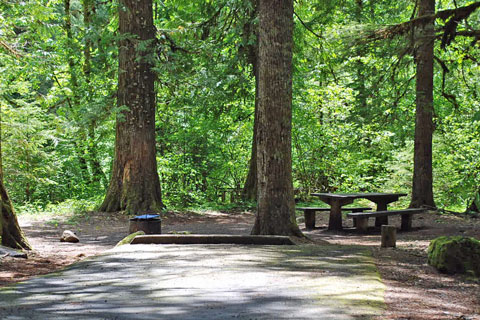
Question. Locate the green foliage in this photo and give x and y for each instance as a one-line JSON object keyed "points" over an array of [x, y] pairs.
{"points": [[70, 206], [205, 97], [353, 101], [52, 117]]}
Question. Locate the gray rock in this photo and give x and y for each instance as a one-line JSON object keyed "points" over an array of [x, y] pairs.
{"points": [[69, 236]]}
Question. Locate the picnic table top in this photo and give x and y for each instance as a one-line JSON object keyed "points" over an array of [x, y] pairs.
{"points": [[377, 197], [358, 195]]}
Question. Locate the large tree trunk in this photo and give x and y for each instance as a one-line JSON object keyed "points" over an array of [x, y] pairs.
{"points": [[250, 189], [134, 185], [276, 206], [422, 191], [10, 232]]}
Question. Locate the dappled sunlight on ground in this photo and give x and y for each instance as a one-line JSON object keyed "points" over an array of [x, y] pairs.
{"points": [[414, 289], [206, 282]]}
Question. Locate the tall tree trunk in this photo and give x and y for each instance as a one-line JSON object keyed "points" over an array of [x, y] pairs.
{"points": [[475, 202], [250, 188], [134, 185], [70, 50], [74, 87], [10, 233], [362, 92], [97, 174], [1, 161], [276, 206], [422, 191]]}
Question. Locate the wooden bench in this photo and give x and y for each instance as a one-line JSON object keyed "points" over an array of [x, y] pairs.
{"points": [[234, 194], [309, 213], [362, 217]]}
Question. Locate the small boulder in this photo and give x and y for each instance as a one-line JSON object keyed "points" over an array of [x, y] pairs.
{"points": [[69, 236], [455, 255]]}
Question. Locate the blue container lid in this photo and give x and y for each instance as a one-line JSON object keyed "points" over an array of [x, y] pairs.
{"points": [[147, 217]]}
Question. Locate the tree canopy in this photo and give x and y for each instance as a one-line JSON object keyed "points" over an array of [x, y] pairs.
{"points": [[353, 97]]}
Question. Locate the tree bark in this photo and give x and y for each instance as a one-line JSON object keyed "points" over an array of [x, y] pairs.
{"points": [[475, 202], [422, 191], [250, 188], [1, 161], [97, 174], [74, 103], [276, 206], [134, 185], [11, 234]]}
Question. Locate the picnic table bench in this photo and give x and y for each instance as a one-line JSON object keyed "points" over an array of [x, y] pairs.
{"points": [[309, 213], [338, 200], [406, 216], [234, 193]]}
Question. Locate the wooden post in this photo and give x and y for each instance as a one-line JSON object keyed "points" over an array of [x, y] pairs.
{"points": [[335, 220], [355, 219], [406, 222], [389, 236], [362, 224], [379, 221], [309, 219]]}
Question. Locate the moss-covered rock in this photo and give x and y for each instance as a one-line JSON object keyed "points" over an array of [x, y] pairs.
{"points": [[129, 238], [455, 255]]}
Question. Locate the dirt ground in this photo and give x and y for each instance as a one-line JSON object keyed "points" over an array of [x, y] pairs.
{"points": [[414, 289]]}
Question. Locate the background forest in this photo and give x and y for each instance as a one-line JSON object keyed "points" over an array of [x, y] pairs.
{"points": [[353, 100]]}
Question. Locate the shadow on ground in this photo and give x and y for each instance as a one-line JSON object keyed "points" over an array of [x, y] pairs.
{"points": [[205, 282]]}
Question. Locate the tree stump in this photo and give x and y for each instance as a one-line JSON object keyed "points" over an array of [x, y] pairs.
{"points": [[389, 236]]}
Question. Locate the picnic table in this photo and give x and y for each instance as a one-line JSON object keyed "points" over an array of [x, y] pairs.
{"points": [[338, 200]]}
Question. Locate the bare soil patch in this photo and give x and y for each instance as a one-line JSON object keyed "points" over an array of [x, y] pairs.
{"points": [[414, 289]]}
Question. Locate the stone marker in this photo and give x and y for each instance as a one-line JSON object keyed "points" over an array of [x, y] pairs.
{"points": [[69, 236], [389, 236]]}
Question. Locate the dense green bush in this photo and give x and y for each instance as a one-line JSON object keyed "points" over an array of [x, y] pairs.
{"points": [[353, 102]]}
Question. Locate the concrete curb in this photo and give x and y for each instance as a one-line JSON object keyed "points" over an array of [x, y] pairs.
{"points": [[211, 239]]}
